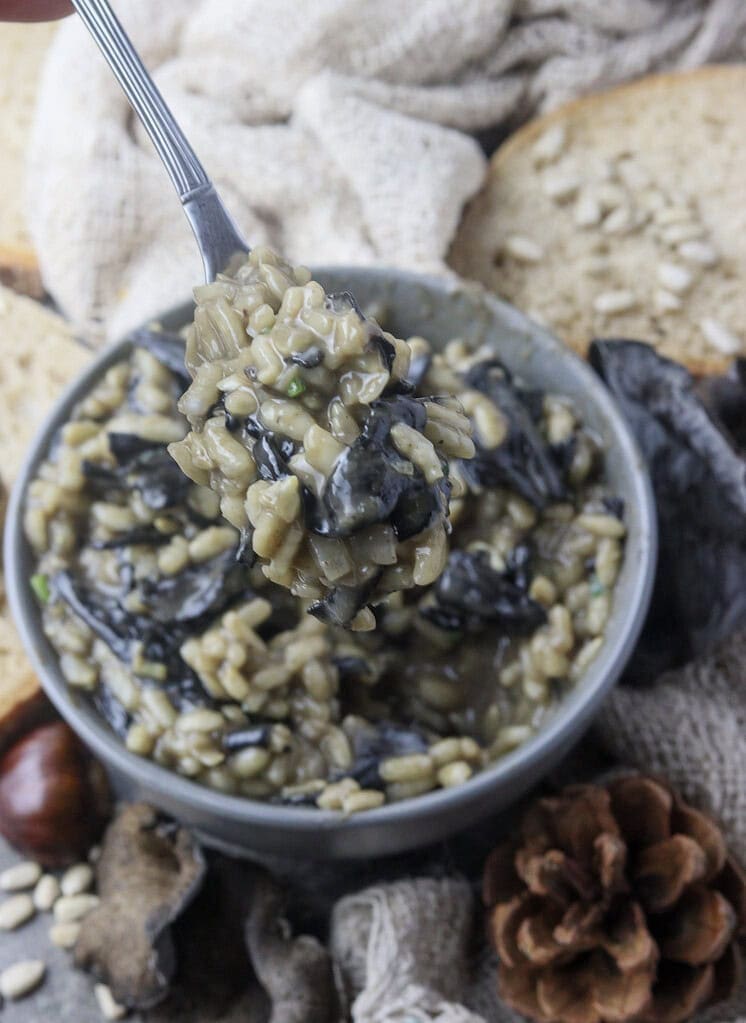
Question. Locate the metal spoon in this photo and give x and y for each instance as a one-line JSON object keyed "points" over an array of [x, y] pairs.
{"points": [[217, 236]]}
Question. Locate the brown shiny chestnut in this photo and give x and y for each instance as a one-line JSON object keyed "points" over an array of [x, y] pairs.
{"points": [[54, 797]]}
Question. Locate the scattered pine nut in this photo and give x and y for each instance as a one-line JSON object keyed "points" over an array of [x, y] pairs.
{"points": [[21, 978]]}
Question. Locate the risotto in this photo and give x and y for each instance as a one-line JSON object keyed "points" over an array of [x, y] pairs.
{"points": [[199, 660], [303, 424]]}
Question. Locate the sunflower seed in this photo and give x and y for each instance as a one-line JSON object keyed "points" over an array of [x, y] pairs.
{"points": [[549, 145], [666, 302], [46, 893], [673, 215], [700, 253], [560, 185], [619, 221], [20, 876], [587, 211], [609, 302], [21, 978], [677, 233], [523, 249], [609, 196], [16, 911], [675, 278], [632, 174], [720, 337]]}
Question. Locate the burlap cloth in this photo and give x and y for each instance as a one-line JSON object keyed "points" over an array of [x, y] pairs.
{"points": [[344, 131], [338, 130], [405, 950]]}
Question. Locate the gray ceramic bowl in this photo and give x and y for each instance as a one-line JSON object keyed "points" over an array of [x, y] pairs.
{"points": [[439, 311]]}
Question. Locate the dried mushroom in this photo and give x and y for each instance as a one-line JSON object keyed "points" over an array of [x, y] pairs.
{"points": [[296, 973], [615, 903], [148, 873], [214, 980], [698, 472]]}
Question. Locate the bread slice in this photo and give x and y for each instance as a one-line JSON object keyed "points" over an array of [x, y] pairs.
{"points": [[624, 214], [22, 52], [39, 356]]}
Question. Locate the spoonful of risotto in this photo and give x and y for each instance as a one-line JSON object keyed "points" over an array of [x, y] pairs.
{"points": [[301, 409]]}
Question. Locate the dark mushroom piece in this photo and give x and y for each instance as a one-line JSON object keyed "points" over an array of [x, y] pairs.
{"points": [[470, 595], [523, 461]]}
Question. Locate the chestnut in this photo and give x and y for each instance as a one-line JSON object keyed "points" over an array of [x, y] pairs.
{"points": [[54, 797]]}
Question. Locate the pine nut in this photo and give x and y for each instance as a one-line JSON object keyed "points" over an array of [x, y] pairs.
{"points": [[21, 978], [46, 893], [110, 1008], [16, 911], [77, 879], [20, 876], [70, 908], [64, 935]]}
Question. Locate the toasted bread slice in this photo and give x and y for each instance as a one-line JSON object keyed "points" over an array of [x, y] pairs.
{"points": [[40, 357], [22, 52], [624, 214]]}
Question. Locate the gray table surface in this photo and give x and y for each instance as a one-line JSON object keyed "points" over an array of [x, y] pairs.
{"points": [[66, 996]]}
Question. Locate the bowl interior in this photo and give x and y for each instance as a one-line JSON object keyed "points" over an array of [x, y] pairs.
{"points": [[439, 311]]}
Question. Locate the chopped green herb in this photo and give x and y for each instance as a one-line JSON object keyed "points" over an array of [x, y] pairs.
{"points": [[40, 586], [296, 387], [596, 586]]}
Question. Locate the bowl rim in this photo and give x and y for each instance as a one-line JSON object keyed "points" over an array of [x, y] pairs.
{"points": [[571, 715]]}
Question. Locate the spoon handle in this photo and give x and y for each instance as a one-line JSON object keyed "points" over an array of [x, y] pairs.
{"points": [[217, 236]]}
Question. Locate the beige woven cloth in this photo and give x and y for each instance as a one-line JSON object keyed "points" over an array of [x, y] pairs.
{"points": [[403, 949], [338, 130]]}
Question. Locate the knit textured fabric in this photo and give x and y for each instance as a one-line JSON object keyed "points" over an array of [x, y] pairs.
{"points": [[338, 132]]}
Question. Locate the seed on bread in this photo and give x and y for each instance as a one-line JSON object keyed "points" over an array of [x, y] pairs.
{"points": [[560, 185], [675, 278], [666, 302], [523, 249], [610, 195], [610, 302], [548, 147], [619, 221], [587, 211], [699, 253], [675, 234], [720, 337], [632, 148]]}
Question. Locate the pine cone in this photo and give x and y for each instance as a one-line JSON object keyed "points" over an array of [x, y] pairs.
{"points": [[615, 903]]}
